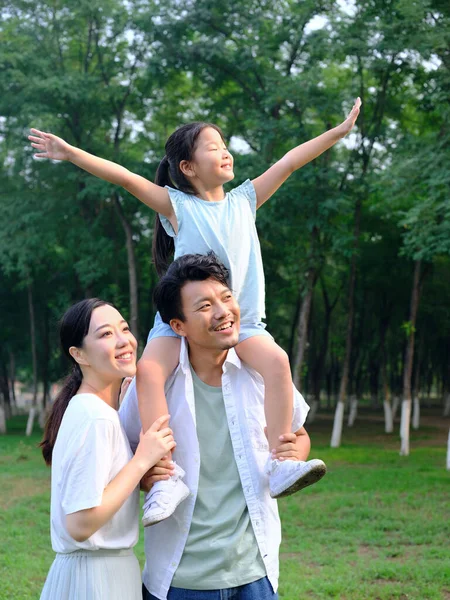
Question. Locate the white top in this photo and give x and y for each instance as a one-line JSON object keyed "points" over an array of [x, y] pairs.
{"points": [[243, 395], [90, 449], [228, 228]]}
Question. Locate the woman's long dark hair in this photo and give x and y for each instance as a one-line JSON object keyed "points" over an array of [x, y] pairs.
{"points": [[73, 328], [180, 146]]}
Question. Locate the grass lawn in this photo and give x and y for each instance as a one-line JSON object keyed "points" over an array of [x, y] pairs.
{"points": [[377, 527]]}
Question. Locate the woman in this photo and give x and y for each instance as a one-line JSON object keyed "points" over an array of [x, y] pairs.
{"points": [[95, 477]]}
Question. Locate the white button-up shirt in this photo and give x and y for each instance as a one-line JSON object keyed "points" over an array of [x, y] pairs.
{"points": [[243, 394]]}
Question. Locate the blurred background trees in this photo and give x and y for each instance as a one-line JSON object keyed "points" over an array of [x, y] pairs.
{"points": [[351, 243]]}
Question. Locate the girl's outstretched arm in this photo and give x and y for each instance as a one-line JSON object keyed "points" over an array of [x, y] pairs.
{"points": [[268, 183], [54, 147]]}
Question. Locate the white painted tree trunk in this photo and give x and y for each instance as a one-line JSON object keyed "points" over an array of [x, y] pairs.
{"points": [[395, 406], [2, 420], [42, 418], [447, 406], [353, 410], [448, 451], [404, 427], [337, 425], [30, 422], [416, 413], [313, 411], [388, 417]]}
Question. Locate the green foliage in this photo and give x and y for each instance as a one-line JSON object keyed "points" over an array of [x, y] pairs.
{"points": [[116, 78]]}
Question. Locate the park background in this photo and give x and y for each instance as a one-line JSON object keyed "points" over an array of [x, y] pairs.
{"points": [[356, 248]]}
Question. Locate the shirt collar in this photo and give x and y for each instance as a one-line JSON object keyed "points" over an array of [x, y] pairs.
{"points": [[232, 358]]}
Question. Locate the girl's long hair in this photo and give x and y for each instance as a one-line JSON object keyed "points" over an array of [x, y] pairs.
{"points": [[180, 146], [73, 328]]}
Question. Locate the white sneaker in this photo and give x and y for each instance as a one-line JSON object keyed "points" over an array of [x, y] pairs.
{"points": [[289, 476], [164, 497]]}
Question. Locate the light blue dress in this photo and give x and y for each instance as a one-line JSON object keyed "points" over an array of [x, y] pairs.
{"points": [[228, 228]]}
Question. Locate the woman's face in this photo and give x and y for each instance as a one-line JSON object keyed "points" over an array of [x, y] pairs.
{"points": [[109, 348]]}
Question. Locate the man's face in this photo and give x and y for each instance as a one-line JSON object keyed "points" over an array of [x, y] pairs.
{"points": [[211, 315]]}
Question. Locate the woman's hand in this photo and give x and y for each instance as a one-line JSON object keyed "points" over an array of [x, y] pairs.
{"points": [[154, 444], [346, 126], [49, 145], [162, 471]]}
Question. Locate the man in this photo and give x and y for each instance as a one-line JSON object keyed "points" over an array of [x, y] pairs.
{"points": [[223, 540]]}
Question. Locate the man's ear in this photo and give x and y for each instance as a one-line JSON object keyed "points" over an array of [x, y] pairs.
{"points": [[178, 327], [78, 355], [186, 168]]}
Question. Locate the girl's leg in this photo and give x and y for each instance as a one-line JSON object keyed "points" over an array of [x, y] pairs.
{"points": [[271, 362], [261, 353], [159, 359]]}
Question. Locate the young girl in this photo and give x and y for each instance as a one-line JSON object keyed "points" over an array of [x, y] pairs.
{"points": [[195, 216], [95, 477]]}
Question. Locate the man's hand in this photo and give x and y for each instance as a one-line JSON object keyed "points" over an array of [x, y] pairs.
{"points": [[287, 448], [160, 472]]}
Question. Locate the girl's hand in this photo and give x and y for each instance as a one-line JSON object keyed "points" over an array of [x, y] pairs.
{"points": [[154, 444], [49, 145], [349, 122], [160, 472]]}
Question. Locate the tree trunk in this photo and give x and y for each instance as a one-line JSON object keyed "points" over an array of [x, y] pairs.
{"points": [[2, 420], [395, 406], [294, 323], [407, 373], [416, 413], [416, 386], [302, 330], [388, 414], [132, 271], [12, 379], [447, 406], [339, 414], [448, 451], [32, 413], [5, 389], [353, 410], [314, 404]]}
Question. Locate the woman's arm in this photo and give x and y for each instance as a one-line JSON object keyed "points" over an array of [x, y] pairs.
{"points": [[153, 446], [268, 183], [54, 147]]}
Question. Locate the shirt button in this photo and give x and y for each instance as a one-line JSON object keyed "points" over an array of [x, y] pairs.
{"points": [[174, 564]]}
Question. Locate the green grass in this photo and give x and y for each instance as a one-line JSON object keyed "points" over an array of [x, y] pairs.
{"points": [[377, 527]]}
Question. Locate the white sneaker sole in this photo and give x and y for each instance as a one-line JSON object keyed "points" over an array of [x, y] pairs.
{"points": [[149, 521], [316, 473]]}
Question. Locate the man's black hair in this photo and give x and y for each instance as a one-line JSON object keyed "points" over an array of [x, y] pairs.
{"points": [[190, 267]]}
